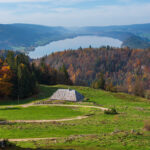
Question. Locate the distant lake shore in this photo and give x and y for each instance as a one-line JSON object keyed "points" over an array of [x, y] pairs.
{"points": [[74, 43]]}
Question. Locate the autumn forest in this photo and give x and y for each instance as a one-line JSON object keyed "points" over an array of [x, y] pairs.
{"points": [[112, 69], [122, 69], [19, 76]]}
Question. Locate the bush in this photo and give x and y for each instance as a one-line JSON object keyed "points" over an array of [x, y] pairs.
{"points": [[99, 83], [2, 119], [147, 125], [86, 99], [139, 88], [111, 111], [147, 94], [110, 87], [4, 144]]}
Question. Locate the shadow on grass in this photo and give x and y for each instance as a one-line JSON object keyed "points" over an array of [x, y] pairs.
{"points": [[6, 145], [5, 122], [19, 148], [44, 93], [13, 108]]}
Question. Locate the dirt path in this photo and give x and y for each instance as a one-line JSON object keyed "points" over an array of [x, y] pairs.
{"points": [[30, 139], [39, 121], [61, 105], [42, 121], [48, 138], [64, 105], [51, 105]]}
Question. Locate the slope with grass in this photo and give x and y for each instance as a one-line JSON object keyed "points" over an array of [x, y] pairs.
{"points": [[98, 131], [39, 113]]}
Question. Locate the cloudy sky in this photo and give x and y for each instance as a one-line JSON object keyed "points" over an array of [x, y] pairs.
{"points": [[75, 12]]}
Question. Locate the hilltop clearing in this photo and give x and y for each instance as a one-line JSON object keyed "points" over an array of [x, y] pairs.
{"points": [[126, 130]]}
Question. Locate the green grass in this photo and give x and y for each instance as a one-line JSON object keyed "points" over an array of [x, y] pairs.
{"points": [[44, 93], [119, 141], [100, 131], [40, 113]]}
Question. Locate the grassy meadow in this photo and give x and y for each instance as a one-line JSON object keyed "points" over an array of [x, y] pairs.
{"points": [[40, 113], [124, 131]]}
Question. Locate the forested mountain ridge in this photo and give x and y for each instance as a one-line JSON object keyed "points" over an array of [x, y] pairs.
{"points": [[133, 36], [122, 67], [25, 37], [4, 53]]}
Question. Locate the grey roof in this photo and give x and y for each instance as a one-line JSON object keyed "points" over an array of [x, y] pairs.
{"points": [[67, 94]]}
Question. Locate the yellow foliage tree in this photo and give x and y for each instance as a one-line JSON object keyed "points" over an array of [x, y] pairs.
{"points": [[5, 78]]}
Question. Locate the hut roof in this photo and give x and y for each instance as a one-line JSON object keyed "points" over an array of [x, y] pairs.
{"points": [[67, 94]]}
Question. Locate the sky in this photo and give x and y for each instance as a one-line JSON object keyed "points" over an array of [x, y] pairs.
{"points": [[75, 12]]}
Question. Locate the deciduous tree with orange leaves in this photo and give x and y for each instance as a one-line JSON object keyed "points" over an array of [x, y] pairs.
{"points": [[5, 78]]}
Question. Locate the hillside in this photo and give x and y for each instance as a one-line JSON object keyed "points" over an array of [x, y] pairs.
{"points": [[128, 34], [141, 30], [136, 42], [25, 37], [126, 130], [120, 66]]}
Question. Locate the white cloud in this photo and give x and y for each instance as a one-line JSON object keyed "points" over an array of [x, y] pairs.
{"points": [[50, 1], [98, 16], [20, 1]]}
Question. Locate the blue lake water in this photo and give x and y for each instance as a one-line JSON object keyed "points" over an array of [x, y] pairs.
{"points": [[75, 43]]}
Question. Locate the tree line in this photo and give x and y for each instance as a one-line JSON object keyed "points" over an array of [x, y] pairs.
{"points": [[19, 76], [123, 69]]}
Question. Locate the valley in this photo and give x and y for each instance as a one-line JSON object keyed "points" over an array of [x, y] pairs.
{"points": [[74, 75], [27, 37]]}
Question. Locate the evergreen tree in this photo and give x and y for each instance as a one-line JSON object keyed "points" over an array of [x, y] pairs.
{"points": [[25, 77], [11, 60], [22, 59], [64, 70], [26, 81], [63, 76], [99, 83]]}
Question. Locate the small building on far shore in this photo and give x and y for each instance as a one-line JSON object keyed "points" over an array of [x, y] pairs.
{"points": [[68, 95]]}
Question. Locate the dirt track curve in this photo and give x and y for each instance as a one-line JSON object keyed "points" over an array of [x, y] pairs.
{"points": [[55, 120], [63, 105], [40, 121]]}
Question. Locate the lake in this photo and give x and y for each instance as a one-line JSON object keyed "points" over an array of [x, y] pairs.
{"points": [[75, 43]]}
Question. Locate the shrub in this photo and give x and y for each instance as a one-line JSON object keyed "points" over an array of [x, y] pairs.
{"points": [[99, 83], [147, 94], [2, 119], [139, 88], [110, 87], [111, 111], [86, 99], [147, 125]]}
